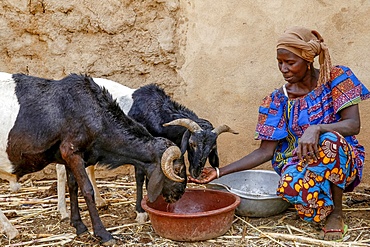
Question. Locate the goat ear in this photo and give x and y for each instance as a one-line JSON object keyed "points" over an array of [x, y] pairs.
{"points": [[213, 158], [155, 184], [184, 142]]}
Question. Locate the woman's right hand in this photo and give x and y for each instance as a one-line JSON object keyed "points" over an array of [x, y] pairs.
{"points": [[308, 144], [208, 174]]}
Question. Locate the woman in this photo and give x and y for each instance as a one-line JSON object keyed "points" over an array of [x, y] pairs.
{"points": [[307, 129]]}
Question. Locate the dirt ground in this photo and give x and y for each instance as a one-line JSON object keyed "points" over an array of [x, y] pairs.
{"points": [[33, 210]]}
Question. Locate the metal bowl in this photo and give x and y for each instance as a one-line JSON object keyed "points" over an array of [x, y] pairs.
{"points": [[257, 191], [200, 214]]}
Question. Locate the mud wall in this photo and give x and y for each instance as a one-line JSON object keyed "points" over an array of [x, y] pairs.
{"points": [[132, 42], [230, 58], [216, 57]]}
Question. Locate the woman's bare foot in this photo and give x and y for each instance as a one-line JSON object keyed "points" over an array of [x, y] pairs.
{"points": [[333, 229]]}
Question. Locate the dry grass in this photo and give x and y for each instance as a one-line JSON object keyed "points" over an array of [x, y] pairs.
{"points": [[33, 211]]}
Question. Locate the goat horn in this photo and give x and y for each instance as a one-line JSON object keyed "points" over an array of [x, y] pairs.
{"points": [[172, 153], [185, 122], [223, 128]]}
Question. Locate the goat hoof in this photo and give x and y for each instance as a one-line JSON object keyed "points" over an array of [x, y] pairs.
{"points": [[109, 242], [64, 219], [102, 207], [82, 231], [141, 218], [100, 203], [14, 187]]}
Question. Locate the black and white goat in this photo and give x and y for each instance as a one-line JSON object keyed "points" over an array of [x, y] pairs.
{"points": [[76, 123]]}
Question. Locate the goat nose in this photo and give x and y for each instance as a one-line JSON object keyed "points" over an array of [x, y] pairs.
{"points": [[196, 172]]}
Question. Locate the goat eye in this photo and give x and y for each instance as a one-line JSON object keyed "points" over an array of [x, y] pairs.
{"points": [[178, 170], [192, 144]]}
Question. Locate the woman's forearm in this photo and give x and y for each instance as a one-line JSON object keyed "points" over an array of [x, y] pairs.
{"points": [[259, 156], [347, 127]]}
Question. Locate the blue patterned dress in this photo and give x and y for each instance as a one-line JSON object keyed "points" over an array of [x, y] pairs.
{"points": [[307, 186]]}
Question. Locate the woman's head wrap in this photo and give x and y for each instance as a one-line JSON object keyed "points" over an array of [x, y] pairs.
{"points": [[307, 44]]}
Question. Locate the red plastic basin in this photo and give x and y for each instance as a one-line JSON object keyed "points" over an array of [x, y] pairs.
{"points": [[200, 214]]}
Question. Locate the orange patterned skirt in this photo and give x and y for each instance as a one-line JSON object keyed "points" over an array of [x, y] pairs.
{"points": [[307, 185]]}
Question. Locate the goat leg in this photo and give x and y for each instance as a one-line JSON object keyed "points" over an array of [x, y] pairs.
{"points": [[61, 189], [7, 227], [76, 165], [62, 177], [141, 215], [76, 221]]}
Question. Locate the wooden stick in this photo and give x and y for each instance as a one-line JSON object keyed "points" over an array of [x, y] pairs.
{"points": [[359, 228], [310, 241], [301, 231], [358, 237], [233, 237], [31, 215], [356, 209], [7, 227], [63, 238], [358, 193], [18, 201], [15, 195], [271, 238], [125, 226], [290, 232]]}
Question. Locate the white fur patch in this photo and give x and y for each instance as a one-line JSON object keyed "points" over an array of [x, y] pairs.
{"points": [[9, 108], [99, 201], [120, 92], [61, 188], [13, 183]]}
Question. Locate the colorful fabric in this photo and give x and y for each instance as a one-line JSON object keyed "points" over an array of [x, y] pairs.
{"points": [[307, 185], [285, 120]]}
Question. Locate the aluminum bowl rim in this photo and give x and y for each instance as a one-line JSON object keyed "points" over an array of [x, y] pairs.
{"points": [[246, 196]]}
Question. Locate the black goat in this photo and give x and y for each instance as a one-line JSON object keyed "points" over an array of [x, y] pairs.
{"points": [[153, 108]]}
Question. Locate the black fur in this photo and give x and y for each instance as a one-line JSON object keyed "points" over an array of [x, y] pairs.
{"points": [[152, 107], [75, 122]]}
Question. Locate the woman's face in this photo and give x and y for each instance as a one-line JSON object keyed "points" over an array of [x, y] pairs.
{"points": [[293, 68]]}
